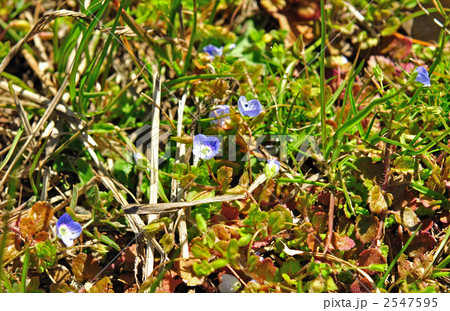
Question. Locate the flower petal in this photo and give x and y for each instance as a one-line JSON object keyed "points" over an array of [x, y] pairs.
{"points": [[75, 230], [254, 108], [67, 241], [242, 105], [64, 219], [422, 76]]}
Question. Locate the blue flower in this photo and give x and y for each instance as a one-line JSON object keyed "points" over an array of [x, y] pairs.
{"points": [[67, 229], [213, 50], [229, 284], [272, 168], [422, 76], [251, 108], [206, 147], [220, 110]]}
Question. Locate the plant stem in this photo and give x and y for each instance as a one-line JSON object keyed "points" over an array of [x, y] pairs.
{"points": [[322, 74]]}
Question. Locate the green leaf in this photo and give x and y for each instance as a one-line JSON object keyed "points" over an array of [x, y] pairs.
{"points": [[74, 200], [224, 177], [378, 267], [276, 222], [290, 267], [168, 242], [199, 250], [245, 239], [84, 171], [47, 252], [104, 239], [157, 225], [122, 169], [218, 263], [203, 268], [201, 223], [233, 250]]}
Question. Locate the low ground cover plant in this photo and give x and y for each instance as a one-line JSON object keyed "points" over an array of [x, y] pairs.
{"points": [[224, 146]]}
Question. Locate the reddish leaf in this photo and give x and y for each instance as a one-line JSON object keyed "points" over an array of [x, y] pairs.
{"points": [[370, 256], [421, 243], [342, 243], [264, 270], [361, 285], [169, 282], [229, 211], [313, 241], [445, 217], [41, 236], [427, 224], [261, 243]]}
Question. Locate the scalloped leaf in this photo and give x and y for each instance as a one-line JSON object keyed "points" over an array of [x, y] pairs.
{"points": [[367, 227]]}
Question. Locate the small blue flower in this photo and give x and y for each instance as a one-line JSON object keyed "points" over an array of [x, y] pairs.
{"points": [[206, 147], [67, 229], [220, 110], [232, 46], [213, 50], [229, 284], [251, 108], [272, 168], [422, 76]]}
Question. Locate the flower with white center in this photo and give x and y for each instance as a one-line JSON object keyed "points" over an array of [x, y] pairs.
{"points": [[218, 111], [67, 229], [229, 284], [205, 147], [272, 168], [422, 76], [251, 108]]}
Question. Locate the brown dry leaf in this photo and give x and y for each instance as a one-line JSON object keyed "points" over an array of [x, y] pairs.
{"points": [[61, 274], [10, 250], [41, 236], [85, 267], [313, 241], [222, 232], [102, 286], [61, 288], [187, 272], [37, 219]]}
